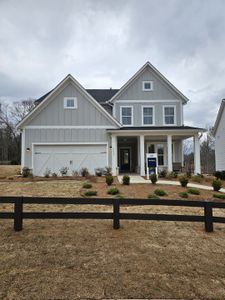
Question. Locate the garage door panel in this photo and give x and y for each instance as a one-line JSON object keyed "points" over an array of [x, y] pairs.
{"points": [[74, 157]]}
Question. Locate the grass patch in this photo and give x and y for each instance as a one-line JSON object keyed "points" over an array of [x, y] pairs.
{"points": [[119, 196], [183, 194], [160, 192], [113, 191], [87, 186], [219, 196], [153, 196], [90, 193], [193, 191]]}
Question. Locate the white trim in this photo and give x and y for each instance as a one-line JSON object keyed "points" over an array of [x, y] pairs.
{"points": [[23, 144], [143, 85], [77, 85], [70, 98], [71, 144], [132, 115], [160, 76], [163, 132], [114, 111], [169, 153], [147, 101], [156, 143], [175, 117], [142, 155], [181, 114], [153, 115], [68, 127]]}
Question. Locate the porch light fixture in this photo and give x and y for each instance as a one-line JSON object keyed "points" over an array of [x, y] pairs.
{"points": [[28, 150]]}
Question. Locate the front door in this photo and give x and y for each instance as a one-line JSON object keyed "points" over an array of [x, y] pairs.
{"points": [[125, 160]]}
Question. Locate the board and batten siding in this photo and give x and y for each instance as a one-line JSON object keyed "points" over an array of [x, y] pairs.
{"points": [[220, 144], [45, 136]]}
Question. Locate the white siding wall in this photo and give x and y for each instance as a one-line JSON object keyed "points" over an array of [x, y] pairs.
{"points": [[220, 144]]}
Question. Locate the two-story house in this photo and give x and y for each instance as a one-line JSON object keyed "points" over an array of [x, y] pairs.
{"points": [[75, 127]]}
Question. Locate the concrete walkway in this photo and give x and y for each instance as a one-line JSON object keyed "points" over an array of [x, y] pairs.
{"points": [[139, 179]]}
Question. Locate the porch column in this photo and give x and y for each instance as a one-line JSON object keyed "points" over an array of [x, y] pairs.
{"points": [[142, 155], [197, 161], [114, 155], [169, 153]]}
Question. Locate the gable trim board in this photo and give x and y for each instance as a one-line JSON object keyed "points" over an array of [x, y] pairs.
{"points": [[161, 77], [219, 115], [68, 79]]}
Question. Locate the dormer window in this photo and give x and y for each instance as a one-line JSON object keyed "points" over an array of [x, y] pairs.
{"points": [[70, 102], [147, 86]]}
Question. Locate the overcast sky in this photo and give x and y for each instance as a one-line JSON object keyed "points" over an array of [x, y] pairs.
{"points": [[103, 43]]}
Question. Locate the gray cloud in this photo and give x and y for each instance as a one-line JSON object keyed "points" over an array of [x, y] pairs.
{"points": [[102, 43]]}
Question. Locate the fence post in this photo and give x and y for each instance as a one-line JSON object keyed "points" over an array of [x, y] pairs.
{"points": [[116, 214], [208, 217], [18, 214]]}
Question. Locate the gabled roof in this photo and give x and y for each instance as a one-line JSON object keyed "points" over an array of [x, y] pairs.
{"points": [[219, 115], [44, 99], [138, 73]]}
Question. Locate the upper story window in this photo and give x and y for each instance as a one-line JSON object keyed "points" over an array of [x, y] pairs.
{"points": [[148, 115], [126, 115], [70, 102], [169, 115], [147, 86]]}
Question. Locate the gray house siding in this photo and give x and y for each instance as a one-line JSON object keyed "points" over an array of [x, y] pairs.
{"points": [[35, 136], [158, 108], [86, 113], [220, 144]]}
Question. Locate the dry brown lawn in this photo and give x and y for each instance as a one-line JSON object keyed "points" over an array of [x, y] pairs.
{"points": [[87, 259], [8, 170]]}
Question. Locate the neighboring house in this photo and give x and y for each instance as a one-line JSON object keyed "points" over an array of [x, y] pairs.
{"points": [[219, 133], [76, 127]]}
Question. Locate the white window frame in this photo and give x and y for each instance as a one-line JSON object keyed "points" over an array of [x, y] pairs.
{"points": [[175, 117], [153, 114], [70, 98], [143, 85], [132, 115]]}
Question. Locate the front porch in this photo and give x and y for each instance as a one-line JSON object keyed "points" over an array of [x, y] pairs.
{"points": [[129, 149]]}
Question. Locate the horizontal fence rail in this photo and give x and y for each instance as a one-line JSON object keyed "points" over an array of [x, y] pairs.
{"points": [[19, 214]]}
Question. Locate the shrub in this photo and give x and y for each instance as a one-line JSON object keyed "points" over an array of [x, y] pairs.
{"points": [[160, 192], [26, 172], [63, 171], [54, 175], [216, 184], [99, 172], [126, 180], [84, 172], [183, 194], [119, 196], [197, 178], [220, 175], [171, 175], [87, 186], [193, 191], [113, 191], [107, 171], [162, 174], [153, 178], [109, 179], [47, 173], [183, 180], [153, 196], [75, 173], [219, 196], [90, 193]]}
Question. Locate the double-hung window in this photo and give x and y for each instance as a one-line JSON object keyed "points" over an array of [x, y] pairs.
{"points": [[147, 115], [169, 115], [126, 115]]}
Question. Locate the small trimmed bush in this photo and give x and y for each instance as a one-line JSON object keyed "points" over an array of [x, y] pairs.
{"points": [[220, 175], [84, 172], [47, 173], [153, 196], [160, 192], [183, 180], [153, 178], [183, 194], [87, 186], [63, 171], [126, 179], [75, 173], [171, 175], [54, 175], [26, 172], [216, 184], [99, 172], [109, 179], [107, 171], [90, 193], [219, 196], [113, 191], [193, 191], [162, 174]]}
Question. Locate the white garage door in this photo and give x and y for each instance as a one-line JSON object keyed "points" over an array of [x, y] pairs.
{"points": [[74, 157]]}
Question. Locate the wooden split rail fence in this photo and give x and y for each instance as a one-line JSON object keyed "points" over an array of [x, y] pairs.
{"points": [[19, 214]]}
